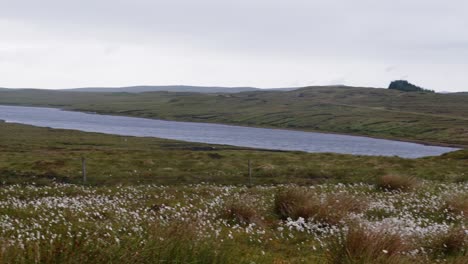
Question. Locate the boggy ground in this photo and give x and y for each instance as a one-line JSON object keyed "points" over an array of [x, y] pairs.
{"points": [[42, 155], [205, 223], [143, 203]]}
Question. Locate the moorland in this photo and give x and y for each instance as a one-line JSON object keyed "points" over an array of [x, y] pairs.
{"points": [[413, 116], [150, 200]]}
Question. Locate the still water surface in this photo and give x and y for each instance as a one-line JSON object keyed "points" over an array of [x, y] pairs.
{"points": [[276, 139]]}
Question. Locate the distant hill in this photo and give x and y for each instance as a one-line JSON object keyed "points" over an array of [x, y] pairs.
{"points": [[163, 88], [172, 88]]}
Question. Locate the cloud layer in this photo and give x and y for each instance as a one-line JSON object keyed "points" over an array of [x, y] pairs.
{"points": [[274, 43]]}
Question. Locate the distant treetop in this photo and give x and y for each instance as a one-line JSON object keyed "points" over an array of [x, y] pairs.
{"points": [[405, 86]]}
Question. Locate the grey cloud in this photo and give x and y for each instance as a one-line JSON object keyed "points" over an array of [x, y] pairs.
{"points": [[333, 32]]}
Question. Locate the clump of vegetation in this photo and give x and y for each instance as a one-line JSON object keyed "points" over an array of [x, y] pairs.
{"points": [[392, 182], [359, 245], [330, 209], [294, 203], [242, 212], [452, 243], [458, 260], [458, 204], [406, 86]]}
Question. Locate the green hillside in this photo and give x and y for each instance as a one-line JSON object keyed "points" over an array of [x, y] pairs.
{"points": [[426, 117]]}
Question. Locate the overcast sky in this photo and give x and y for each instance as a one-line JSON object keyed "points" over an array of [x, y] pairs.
{"points": [[262, 43]]}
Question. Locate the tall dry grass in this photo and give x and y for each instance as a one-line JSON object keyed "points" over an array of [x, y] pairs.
{"points": [[242, 212], [453, 243], [458, 204], [359, 245], [392, 182], [175, 243], [331, 209]]}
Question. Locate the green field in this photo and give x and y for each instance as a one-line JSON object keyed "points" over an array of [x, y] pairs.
{"points": [[425, 117], [41, 154]]}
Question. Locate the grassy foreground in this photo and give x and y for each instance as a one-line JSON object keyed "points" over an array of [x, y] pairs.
{"points": [[356, 223], [42, 155], [144, 203], [424, 117]]}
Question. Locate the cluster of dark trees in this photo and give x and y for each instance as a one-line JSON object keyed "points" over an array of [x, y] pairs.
{"points": [[406, 86]]}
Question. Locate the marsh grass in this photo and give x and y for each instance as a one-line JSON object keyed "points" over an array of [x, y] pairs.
{"points": [[453, 243], [359, 245], [175, 243], [331, 208], [217, 224], [242, 212], [46, 156], [458, 204], [392, 182]]}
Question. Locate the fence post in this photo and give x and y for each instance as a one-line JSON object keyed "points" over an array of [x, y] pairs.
{"points": [[250, 173], [83, 168]]}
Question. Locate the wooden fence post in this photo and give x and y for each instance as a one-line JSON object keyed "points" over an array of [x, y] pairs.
{"points": [[250, 172], [83, 168]]}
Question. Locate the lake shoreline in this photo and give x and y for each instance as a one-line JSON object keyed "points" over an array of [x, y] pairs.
{"points": [[422, 142], [103, 113], [218, 134]]}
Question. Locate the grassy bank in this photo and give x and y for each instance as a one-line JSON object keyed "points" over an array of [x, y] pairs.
{"points": [[43, 155], [423, 117]]}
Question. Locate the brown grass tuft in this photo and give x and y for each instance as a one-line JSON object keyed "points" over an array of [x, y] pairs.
{"points": [[331, 209], [393, 182], [459, 260], [242, 213], [454, 242], [293, 202], [364, 246], [458, 204]]}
